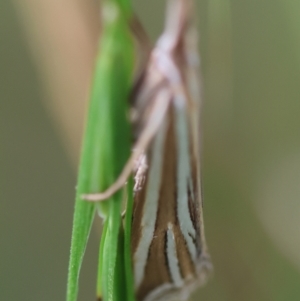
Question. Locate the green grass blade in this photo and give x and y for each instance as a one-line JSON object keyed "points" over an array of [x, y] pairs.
{"points": [[106, 144], [127, 244], [120, 283], [118, 91], [100, 261], [83, 217], [113, 269]]}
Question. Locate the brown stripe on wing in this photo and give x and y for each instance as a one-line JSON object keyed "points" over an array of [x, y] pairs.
{"points": [[156, 270], [194, 196], [186, 265]]}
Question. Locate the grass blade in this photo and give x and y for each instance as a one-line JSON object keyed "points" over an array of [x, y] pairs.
{"points": [[106, 145]]}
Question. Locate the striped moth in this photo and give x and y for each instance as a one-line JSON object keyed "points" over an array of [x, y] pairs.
{"points": [[169, 252]]}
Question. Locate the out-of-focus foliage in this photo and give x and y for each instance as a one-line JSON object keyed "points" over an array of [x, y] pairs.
{"points": [[251, 152]]}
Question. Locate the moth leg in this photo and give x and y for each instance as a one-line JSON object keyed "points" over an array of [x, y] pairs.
{"points": [[156, 118]]}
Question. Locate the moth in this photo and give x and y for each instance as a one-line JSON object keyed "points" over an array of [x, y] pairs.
{"points": [[169, 252]]}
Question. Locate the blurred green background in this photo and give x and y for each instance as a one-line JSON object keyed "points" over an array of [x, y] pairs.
{"points": [[250, 53]]}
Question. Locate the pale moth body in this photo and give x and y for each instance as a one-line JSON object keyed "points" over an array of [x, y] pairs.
{"points": [[169, 252]]}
